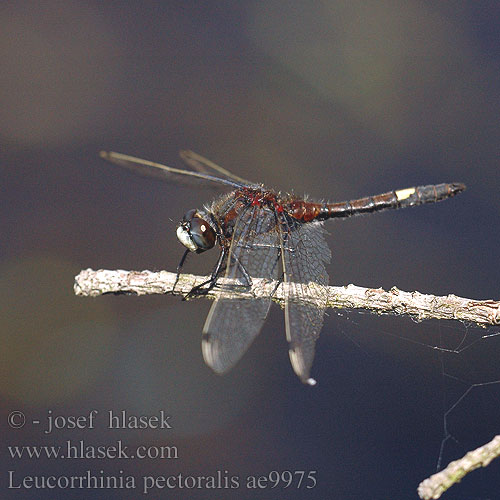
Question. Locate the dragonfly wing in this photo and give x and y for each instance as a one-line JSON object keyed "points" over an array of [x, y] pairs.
{"points": [[304, 254], [232, 324], [153, 169], [202, 164]]}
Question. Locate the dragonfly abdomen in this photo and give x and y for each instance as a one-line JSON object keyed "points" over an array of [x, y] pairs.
{"points": [[308, 211]]}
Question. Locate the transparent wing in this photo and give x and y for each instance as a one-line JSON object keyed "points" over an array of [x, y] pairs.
{"points": [[152, 169], [204, 165], [304, 254], [232, 324]]}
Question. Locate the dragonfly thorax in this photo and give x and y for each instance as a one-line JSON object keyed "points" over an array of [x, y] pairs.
{"points": [[195, 233]]}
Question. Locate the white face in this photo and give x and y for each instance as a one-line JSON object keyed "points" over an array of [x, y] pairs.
{"points": [[185, 239]]}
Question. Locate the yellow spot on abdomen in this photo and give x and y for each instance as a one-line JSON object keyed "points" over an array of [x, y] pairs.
{"points": [[403, 194]]}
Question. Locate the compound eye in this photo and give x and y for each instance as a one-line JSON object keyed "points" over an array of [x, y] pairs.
{"points": [[202, 234], [188, 216]]}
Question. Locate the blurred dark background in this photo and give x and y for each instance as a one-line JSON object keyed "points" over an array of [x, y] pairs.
{"points": [[337, 99]]}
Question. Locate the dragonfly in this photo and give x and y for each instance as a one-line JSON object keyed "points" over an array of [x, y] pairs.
{"points": [[262, 233]]}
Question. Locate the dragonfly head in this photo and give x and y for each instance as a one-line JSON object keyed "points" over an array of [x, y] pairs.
{"points": [[195, 233]]}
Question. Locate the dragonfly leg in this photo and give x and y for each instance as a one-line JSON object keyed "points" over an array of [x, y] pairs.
{"points": [[179, 268], [280, 280], [278, 283], [202, 288], [246, 276]]}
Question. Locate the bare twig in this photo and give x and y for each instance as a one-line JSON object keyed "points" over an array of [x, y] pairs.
{"points": [[437, 484], [92, 283]]}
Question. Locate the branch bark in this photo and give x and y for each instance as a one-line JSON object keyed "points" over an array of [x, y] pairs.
{"points": [[437, 484], [90, 283]]}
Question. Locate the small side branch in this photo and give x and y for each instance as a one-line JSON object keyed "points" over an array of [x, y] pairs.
{"points": [[437, 484], [90, 283]]}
